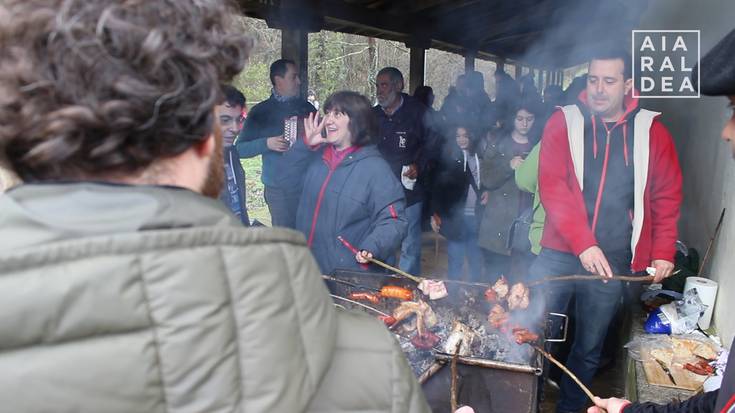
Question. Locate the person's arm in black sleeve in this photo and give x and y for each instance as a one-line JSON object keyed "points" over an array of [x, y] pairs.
{"points": [[701, 403], [249, 141]]}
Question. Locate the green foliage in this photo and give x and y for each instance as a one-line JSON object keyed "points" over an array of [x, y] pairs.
{"points": [[254, 82], [257, 208]]}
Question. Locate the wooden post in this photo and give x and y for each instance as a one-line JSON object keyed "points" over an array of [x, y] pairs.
{"points": [[469, 60], [500, 65], [417, 68], [295, 46], [539, 79]]}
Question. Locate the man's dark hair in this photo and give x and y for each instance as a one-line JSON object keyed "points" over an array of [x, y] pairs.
{"points": [[279, 68], [98, 89], [363, 124], [394, 74], [615, 53], [233, 96]]}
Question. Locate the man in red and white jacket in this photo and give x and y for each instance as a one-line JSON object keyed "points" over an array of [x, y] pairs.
{"points": [[610, 182], [717, 73]]}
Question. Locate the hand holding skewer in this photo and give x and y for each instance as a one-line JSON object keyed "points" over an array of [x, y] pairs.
{"points": [[611, 405]]}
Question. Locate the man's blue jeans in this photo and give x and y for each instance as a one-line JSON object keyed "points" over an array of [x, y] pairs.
{"points": [[411, 246], [457, 250], [596, 304]]}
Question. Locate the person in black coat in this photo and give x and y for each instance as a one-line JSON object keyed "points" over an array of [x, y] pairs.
{"points": [[455, 201]]}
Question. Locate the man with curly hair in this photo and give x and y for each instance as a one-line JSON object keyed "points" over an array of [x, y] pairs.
{"points": [[122, 287]]}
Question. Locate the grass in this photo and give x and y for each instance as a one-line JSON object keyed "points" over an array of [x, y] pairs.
{"points": [[257, 208]]}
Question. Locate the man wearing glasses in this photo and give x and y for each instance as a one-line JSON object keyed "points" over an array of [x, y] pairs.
{"points": [[229, 116]]}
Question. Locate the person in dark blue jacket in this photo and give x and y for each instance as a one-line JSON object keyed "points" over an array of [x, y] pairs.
{"points": [[284, 161], [350, 191], [406, 143]]}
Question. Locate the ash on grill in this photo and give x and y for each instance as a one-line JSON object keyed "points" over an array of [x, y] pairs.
{"points": [[464, 311]]}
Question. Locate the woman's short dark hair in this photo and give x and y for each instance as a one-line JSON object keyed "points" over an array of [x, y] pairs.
{"points": [[93, 89], [363, 124]]}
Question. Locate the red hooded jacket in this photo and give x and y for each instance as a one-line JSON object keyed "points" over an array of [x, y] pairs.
{"points": [[567, 228]]}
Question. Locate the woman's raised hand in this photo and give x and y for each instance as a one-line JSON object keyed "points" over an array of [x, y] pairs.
{"points": [[313, 128]]}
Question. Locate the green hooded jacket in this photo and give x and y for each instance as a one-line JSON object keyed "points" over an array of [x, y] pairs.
{"points": [[527, 180]]}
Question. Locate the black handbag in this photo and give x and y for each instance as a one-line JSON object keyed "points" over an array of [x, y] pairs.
{"points": [[519, 230]]}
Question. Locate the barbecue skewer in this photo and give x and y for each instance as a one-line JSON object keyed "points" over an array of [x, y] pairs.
{"points": [[396, 270], [380, 263], [432, 370], [647, 278], [565, 370]]}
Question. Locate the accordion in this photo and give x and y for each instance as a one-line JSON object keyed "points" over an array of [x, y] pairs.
{"points": [[291, 130]]}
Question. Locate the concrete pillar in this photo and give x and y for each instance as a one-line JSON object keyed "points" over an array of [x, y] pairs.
{"points": [[295, 46], [417, 68]]}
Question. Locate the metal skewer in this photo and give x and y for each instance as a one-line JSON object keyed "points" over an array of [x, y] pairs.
{"points": [[351, 284], [359, 304]]}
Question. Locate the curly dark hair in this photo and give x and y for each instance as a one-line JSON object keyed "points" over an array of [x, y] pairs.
{"points": [[363, 124], [91, 89]]}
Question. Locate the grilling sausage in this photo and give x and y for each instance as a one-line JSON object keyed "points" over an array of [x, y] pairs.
{"points": [[702, 368], [393, 291], [362, 296]]}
